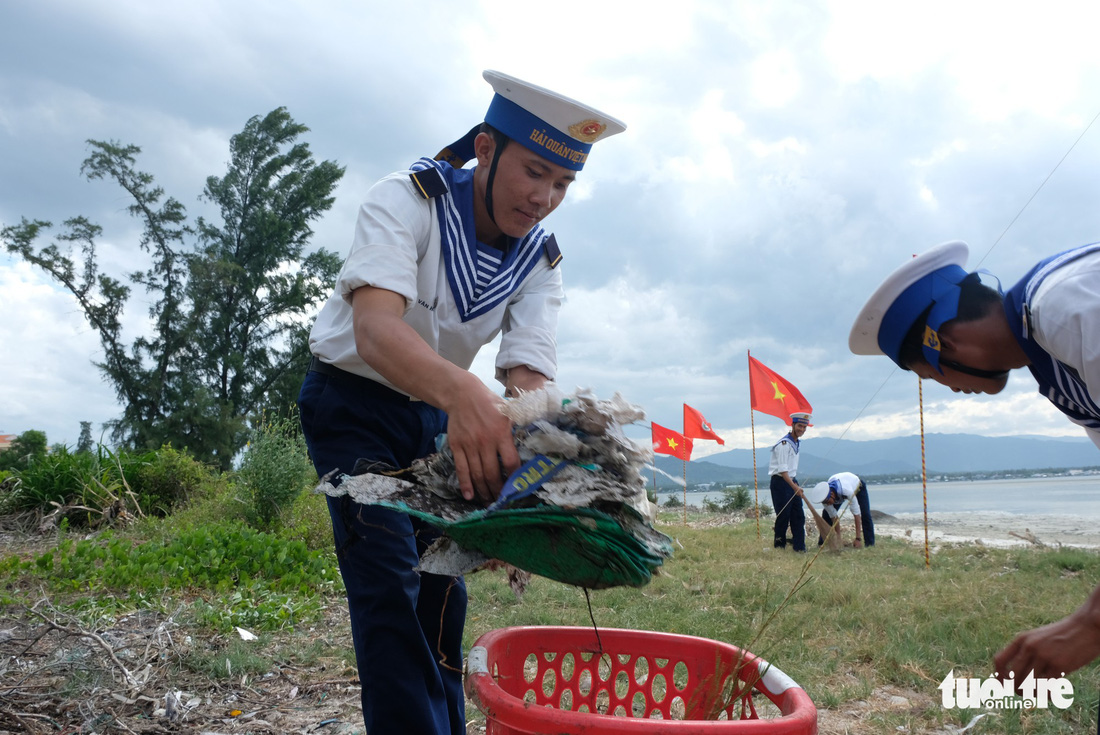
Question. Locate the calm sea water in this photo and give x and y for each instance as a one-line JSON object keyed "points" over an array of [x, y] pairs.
{"points": [[1077, 496]]}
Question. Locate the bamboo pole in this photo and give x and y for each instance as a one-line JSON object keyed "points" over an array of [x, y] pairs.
{"points": [[752, 425], [755, 484], [923, 475], [685, 492]]}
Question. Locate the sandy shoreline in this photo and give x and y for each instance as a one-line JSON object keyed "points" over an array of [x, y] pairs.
{"points": [[993, 529]]}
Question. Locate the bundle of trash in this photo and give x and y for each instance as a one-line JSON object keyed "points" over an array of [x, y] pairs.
{"points": [[575, 511]]}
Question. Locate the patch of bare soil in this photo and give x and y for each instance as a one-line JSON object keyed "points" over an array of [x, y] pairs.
{"points": [[143, 673], [865, 717], [131, 677]]}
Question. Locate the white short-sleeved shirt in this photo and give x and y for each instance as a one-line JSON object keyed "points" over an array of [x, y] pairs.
{"points": [[397, 246], [847, 485], [1065, 321], [784, 458]]}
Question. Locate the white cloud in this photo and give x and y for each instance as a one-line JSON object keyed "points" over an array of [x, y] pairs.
{"points": [[780, 159], [1001, 59], [50, 383], [776, 81]]}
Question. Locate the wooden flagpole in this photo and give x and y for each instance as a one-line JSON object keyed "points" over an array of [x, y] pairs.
{"points": [[685, 492], [923, 474], [755, 483]]}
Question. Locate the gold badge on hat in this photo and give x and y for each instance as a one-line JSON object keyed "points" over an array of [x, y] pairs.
{"points": [[931, 338], [587, 131]]}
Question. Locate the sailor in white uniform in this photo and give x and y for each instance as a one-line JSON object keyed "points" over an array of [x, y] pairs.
{"points": [[937, 319], [443, 259]]}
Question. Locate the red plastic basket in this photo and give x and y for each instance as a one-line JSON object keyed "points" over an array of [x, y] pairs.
{"points": [[566, 680]]}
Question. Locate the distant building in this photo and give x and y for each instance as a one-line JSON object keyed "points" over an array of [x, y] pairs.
{"points": [[6, 440]]}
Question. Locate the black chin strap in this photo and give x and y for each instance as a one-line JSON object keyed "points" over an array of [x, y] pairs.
{"points": [[976, 372], [492, 177], [462, 150]]}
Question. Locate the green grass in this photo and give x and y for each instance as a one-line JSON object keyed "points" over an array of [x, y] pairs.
{"points": [[146, 483], [844, 626], [861, 620], [226, 576]]}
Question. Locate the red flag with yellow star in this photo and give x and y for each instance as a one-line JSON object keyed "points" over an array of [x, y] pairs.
{"points": [[667, 441], [697, 427], [770, 393]]}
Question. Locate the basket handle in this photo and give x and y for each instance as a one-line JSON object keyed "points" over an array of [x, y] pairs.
{"points": [[477, 661], [774, 679]]}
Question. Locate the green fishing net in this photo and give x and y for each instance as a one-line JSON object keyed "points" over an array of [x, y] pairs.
{"points": [[579, 546], [569, 513]]}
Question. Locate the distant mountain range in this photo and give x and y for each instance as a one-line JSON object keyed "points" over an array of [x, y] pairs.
{"points": [[944, 453]]}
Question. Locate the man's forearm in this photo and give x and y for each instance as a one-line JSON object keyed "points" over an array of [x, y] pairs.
{"points": [[522, 378]]}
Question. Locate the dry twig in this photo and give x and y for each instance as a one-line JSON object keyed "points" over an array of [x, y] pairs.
{"points": [[131, 680], [1028, 536]]}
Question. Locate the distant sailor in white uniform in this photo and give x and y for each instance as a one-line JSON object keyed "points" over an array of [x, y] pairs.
{"points": [[845, 490], [785, 490]]}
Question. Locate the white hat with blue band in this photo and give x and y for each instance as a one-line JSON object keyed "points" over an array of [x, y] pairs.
{"points": [[801, 417], [558, 128], [817, 493], [928, 282]]}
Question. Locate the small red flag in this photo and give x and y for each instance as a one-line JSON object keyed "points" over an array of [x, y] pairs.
{"points": [[771, 394], [667, 441], [697, 427]]}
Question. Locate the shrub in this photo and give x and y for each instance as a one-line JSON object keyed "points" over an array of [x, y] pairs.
{"points": [[165, 479], [734, 498], [672, 502], [24, 450], [275, 470], [251, 577], [8, 484], [61, 477], [151, 483], [307, 519]]}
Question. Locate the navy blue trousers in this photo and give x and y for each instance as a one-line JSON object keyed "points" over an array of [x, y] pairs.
{"points": [[789, 513], [406, 627], [866, 522]]}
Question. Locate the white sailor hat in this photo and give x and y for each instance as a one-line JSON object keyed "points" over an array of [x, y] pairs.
{"points": [[801, 417], [929, 282], [558, 128], [817, 493]]}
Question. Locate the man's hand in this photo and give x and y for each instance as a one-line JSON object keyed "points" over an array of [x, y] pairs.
{"points": [[858, 543], [480, 437], [1056, 649]]}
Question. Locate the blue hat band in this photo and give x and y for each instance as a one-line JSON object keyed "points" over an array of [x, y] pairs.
{"points": [[945, 309], [533, 133], [939, 289]]}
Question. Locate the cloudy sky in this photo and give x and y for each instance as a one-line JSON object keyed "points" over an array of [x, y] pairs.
{"points": [[780, 159]]}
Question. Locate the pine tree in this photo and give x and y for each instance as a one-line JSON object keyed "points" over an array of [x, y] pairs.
{"points": [[229, 298]]}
